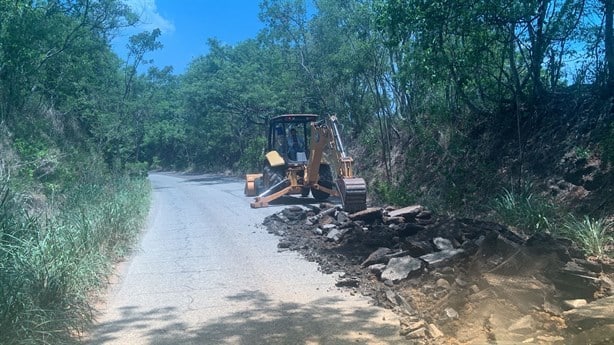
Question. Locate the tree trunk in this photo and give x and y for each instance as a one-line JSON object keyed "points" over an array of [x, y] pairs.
{"points": [[539, 45], [609, 43]]}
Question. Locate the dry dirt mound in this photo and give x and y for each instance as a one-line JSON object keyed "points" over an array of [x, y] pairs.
{"points": [[457, 281]]}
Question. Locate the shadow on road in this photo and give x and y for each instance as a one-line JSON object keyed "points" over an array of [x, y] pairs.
{"points": [[133, 319], [211, 179], [289, 200], [261, 321]]}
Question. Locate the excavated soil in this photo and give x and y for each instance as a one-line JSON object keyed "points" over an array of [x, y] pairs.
{"points": [[457, 281]]}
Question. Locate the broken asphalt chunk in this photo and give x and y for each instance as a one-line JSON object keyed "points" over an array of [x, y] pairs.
{"points": [[335, 234], [377, 257], [369, 215], [406, 212], [393, 220], [410, 229], [443, 243], [440, 258], [399, 301], [418, 248], [294, 213], [326, 228], [316, 219], [400, 268], [348, 282]]}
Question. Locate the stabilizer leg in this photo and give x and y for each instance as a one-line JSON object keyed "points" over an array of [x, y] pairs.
{"points": [[280, 189]]}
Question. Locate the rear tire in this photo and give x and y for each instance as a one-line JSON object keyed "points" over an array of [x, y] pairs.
{"points": [[326, 180]]}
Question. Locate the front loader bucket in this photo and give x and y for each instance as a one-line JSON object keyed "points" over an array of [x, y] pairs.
{"points": [[251, 189]]}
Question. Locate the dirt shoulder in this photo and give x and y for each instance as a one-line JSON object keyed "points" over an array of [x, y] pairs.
{"points": [[457, 281]]}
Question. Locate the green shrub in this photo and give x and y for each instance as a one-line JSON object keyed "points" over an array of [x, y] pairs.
{"points": [[138, 169], [531, 214], [391, 194], [594, 236]]}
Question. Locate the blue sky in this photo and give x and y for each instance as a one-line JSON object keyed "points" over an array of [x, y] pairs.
{"points": [[186, 26]]}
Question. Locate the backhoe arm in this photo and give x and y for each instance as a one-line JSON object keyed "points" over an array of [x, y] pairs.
{"points": [[352, 190]]}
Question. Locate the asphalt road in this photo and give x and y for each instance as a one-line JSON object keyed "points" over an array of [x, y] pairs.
{"points": [[207, 272]]}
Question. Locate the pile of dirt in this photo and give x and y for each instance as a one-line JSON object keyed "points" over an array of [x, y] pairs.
{"points": [[457, 281]]}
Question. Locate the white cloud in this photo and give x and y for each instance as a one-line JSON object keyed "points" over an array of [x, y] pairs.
{"points": [[149, 17]]}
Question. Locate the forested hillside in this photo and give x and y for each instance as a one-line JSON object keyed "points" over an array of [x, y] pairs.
{"points": [[486, 108], [444, 102]]}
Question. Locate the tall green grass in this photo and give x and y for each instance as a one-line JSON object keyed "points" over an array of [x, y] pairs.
{"points": [[52, 261], [525, 211], [594, 236]]}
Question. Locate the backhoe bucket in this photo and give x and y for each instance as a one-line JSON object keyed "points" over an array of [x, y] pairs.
{"points": [[353, 193]]}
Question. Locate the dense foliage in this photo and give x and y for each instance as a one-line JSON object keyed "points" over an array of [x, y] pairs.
{"points": [[444, 103], [432, 76], [438, 93], [68, 115]]}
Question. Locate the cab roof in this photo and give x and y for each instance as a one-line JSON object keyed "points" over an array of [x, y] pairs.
{"points": [[294, 118]]}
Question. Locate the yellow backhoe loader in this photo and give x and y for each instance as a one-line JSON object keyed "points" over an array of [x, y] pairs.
{"points": [[290, 168]]}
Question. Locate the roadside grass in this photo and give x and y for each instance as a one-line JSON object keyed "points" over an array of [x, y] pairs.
{"points": [[52, 262], [530, 214], [525, 211], [594, 236]]}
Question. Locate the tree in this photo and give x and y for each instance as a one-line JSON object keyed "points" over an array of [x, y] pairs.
{"points": [[139, 45], [40, 39], [229, 95], [165, 129], [608, 13], [287, 29]]}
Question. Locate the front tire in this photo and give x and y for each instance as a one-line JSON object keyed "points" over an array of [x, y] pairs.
{"points": [[326, 180], [272, 175]]}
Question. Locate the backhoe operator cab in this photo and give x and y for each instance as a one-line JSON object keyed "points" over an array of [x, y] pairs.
{"points": [[294, 163], [288, 135]]}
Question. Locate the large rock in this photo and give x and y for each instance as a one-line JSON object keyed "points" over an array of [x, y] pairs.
{"points": [[575, 303], [599, 334], [575, 281], [601, 310], [595, 320], [400, 268]]}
